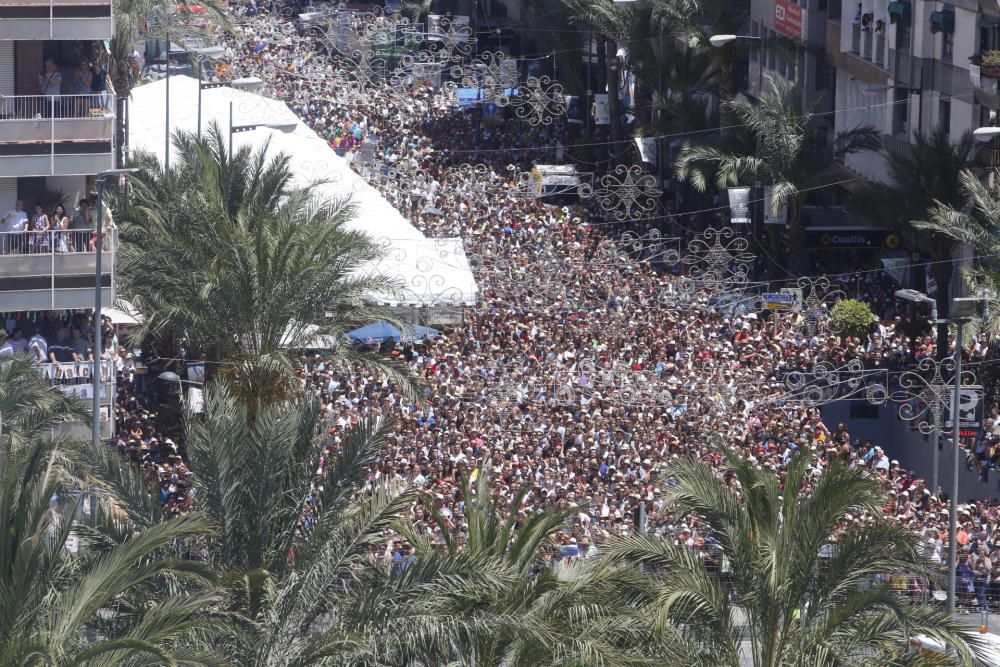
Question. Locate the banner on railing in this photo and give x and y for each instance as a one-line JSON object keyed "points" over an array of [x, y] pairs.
{"points": [[60, 373], [739, 206], [84, 391]]}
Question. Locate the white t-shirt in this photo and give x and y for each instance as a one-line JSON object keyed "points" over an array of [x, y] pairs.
{"points": [[15, 221]]}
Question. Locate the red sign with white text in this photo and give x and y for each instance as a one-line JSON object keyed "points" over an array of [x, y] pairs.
{"points": [[788, 18]]}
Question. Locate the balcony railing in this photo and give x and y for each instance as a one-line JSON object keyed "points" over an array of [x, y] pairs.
{"points": [[856, 39], [54, 242], [880, 50], [75, 377], [52, 135], [55, 107], [54, 270]]}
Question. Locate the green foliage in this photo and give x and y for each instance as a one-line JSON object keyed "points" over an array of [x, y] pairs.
{"points": [[109, 603], [785, 604], [783, 152], [225, 251], [850, 317], [990, 58]]}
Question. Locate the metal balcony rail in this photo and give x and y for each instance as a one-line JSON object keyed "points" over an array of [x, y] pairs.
{"points": [[39, 107], [57, 241], [70, 373]]}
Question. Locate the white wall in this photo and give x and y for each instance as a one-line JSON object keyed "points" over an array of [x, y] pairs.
{"points": [[8, 194], [854, 109]]}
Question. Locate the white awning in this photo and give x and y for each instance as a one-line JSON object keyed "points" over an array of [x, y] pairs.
{"points": [[428, 272]]}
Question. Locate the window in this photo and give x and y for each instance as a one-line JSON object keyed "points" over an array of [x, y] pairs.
{"points": [[944, 116], [989, 37], [902, 38]]}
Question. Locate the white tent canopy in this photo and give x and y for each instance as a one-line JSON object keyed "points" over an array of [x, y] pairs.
{"points": [[428, 272]]}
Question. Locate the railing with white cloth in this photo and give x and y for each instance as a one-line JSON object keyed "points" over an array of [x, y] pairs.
{"points": [[27, 107], [55, 241]]}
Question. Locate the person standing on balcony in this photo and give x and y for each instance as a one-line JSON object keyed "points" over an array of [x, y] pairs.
{"points": [[50, 83], [60, 223], [83, 83], [40, 227], [99, 82], [6, 350], [17, 341], [38, 348], [14, 225], [83, 221]]}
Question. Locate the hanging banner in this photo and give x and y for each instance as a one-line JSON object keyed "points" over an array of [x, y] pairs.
{"points": [[770, 217], [796, 293], [196, 400], [788, 18], [778, 301], [739, 206], [647, 149], [602, 114], [574, 109]]}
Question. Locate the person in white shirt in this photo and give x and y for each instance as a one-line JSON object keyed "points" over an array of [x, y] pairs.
{"points": [[6, 349], [38, 349], [15, 223], [18, 342]]}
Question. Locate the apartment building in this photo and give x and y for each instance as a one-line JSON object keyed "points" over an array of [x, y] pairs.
{"points": [[907, 67], [57, 120], [802, 23]]}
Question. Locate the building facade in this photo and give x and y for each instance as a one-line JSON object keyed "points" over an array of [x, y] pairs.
{"points": [[57, 121]]}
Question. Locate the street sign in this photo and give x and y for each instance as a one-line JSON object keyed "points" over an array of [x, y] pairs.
{"points": [[778, 301], [970, 406]]}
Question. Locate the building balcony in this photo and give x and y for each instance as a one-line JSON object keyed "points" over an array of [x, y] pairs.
{"points": [[56, 19], [56, 135], [55, 270]]}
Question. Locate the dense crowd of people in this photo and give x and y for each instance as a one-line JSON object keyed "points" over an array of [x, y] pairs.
{"points": [[588, 365]]}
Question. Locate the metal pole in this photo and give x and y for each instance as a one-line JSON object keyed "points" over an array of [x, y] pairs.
{"points": [[199, 98], [230, 130], [936, 455], [166, 109], [955, 436], [590, 56], [95, 374]]}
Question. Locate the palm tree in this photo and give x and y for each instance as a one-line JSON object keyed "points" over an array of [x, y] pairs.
{"points": [[29, 406], [255, 475], [929, 174], [534, 612], [99, 606], [147, 19], [227, 253], [629, 25], [789, 156], [786, 604], [973, 221]]}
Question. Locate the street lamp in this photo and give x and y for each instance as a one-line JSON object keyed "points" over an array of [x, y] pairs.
{"points": [[95, 378], [287, 127], [985, 134], [722, 40], [202, 55]]}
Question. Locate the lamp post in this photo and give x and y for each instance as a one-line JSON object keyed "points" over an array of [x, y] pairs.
{"points": [[203, 55], [98, 348], [285, 126], [963, 310], [95, 377], [915, 297]]}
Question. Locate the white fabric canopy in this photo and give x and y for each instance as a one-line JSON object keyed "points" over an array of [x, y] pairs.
{"points": [[428, 272]]}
